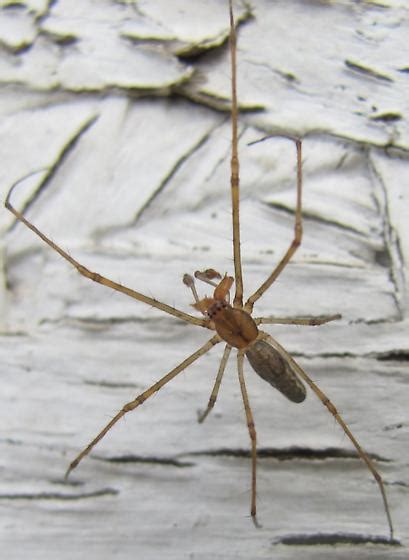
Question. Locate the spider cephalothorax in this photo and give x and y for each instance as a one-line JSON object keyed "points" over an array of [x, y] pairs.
{"points": [[234, 325]]}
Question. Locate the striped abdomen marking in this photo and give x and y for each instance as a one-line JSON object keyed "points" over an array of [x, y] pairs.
{"points": [[269, 365]]}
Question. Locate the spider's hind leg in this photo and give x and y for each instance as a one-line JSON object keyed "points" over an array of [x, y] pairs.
{"points": [[333, 410], [295, 243]]}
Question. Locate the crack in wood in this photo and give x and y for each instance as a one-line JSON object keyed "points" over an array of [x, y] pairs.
{"points": [[394, 356], [391, 240], [367, 71], [396, 426], [387, 117], [112, 384], [318, 218], [102, 323], [288, 453], [400, 483], [59, 495], [149, 460], [53, 169], [280, 454], [172, 172], [332, 539]]}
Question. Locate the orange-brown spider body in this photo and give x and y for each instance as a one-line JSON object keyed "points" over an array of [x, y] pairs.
{"points": [[238, 328]]}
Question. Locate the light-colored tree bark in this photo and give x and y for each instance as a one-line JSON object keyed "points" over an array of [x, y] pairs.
{"points": [[121, 110]]}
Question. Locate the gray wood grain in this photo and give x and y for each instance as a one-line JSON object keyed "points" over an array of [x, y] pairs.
{"points": [[117, 115]]}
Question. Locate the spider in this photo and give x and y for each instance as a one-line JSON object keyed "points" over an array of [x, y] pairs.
{"points": [[231, 322]]}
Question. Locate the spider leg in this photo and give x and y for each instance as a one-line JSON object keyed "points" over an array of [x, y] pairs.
{"points": [[234, 177], [140, 399], [95, 277], [252, 434], [332, 409], [307, 321], [213, 396], [296, 242]]}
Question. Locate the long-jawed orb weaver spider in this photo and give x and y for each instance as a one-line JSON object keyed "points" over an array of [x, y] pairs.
{"points": [[232, 322]]}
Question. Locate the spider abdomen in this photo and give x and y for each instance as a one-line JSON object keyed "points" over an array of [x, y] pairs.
{"points": [[270, 366]]}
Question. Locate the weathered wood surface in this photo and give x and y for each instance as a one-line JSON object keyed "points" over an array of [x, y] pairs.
{"points": [[128, 131]]}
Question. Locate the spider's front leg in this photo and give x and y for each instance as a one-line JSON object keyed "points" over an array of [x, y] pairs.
{"points": [[296, 242], [94, 276]]}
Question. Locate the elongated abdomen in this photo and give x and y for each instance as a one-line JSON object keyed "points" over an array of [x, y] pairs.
{"points": [[269, 365]]}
